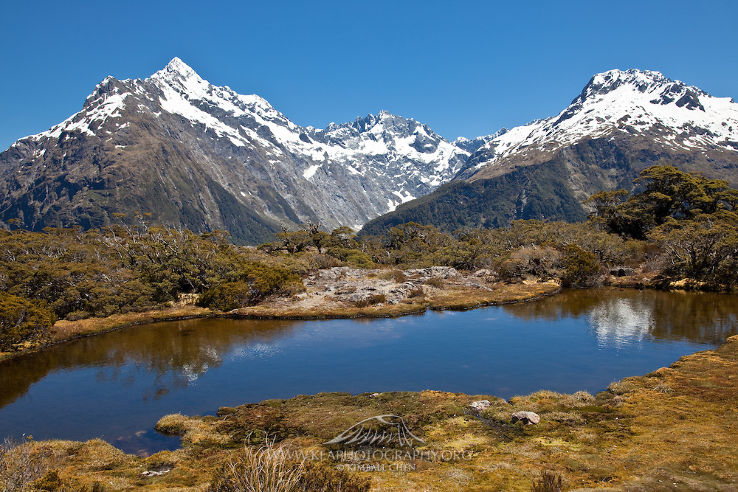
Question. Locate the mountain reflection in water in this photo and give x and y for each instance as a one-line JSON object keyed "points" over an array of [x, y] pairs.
{"points": [[624, 316], [117, 385]]}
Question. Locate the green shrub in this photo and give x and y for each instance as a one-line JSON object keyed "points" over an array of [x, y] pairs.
{"points": [[581, 267], [251, 284], [352, 257], [227, 296], [22, 321]]}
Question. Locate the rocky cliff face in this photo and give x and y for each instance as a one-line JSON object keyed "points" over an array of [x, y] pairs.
{"points": [[188, 153]]}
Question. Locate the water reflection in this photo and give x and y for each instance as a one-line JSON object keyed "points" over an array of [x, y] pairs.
{"points": [[626, 316], [175, 353], [117, 385]]}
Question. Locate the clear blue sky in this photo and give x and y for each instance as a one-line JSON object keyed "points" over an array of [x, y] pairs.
{"points": [[465, 68]]}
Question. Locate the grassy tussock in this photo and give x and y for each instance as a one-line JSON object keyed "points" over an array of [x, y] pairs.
{"points": [[262, 470], [65, 330], [371, 300], [193, 430], [20, 464], [270, 469], [549, 482]]}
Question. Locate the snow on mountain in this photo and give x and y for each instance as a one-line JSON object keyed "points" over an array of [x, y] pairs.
{"points": [[344, 174], [471, 145], [632, 101], [621, 123], [391, 147]]}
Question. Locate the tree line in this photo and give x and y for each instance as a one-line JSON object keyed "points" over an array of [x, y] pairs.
{"points": [[674, 225]]}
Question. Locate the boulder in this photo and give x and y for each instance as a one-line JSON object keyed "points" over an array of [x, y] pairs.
{"points": [[433, 272], [622, 271], [528, 418], [479, 405]]}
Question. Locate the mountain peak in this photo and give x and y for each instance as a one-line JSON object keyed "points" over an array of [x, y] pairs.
{"points": [[629, 103], [606, 82], [630, 75], [659, 88], [176, 69], [177, 65]]}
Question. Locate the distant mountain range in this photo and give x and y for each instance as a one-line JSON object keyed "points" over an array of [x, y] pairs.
{"points": [[195, 155], [621, 123], [190, 154]]}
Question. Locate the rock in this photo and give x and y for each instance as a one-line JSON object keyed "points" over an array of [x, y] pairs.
{"points": [[433, 272], [622, 271], [479, 405], [156, 473], [528, 418]]}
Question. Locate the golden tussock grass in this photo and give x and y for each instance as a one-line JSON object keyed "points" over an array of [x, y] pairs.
{"points": [[66, 330]]}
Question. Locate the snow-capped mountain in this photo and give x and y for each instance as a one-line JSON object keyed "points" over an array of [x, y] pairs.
{"points": [[189, 153], [473, 144], [681, 117], [621, 123]]}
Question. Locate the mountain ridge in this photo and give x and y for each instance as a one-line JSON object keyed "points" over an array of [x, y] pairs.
{"points": [[192, 154], [620, 123], [192, 141]]}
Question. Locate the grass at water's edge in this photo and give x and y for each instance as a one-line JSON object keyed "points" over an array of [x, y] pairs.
{"points": [[453, 299], [670, 429]]}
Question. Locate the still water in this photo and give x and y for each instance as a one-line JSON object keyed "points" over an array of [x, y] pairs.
{"points": [[116, 386]]}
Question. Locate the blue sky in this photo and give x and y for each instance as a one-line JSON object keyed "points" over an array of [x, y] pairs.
{"points": [[465, 68]]}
